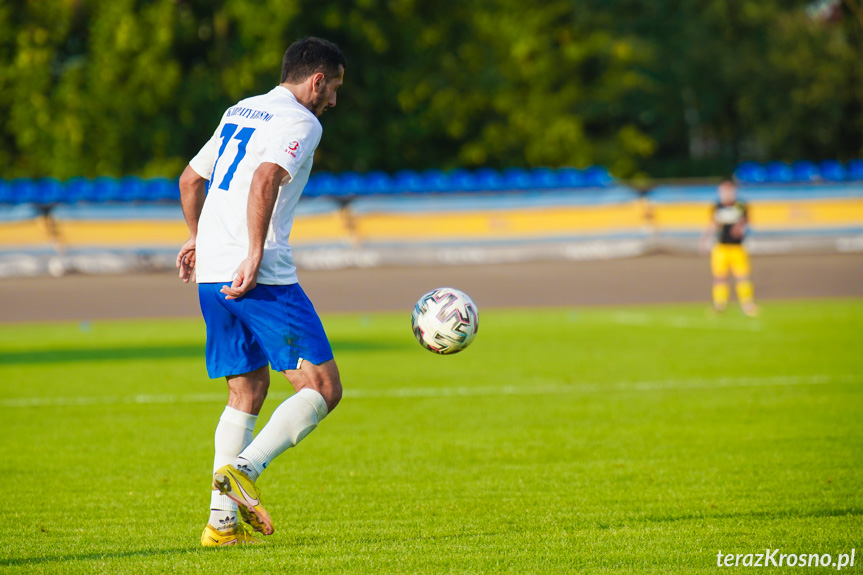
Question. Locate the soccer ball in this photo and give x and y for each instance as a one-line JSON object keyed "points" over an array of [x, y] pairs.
{"points": [[445, 320]]}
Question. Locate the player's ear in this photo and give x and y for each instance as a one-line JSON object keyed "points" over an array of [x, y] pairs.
{"points": [[318, 81]]}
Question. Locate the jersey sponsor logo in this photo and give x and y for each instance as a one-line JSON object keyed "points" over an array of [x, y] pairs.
{"points": [[292, 147]]}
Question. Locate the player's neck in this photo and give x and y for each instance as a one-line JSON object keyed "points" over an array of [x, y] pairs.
{"points": [[302, 92]]}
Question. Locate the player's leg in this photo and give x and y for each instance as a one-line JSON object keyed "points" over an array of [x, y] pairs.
{"points": [[742, 271], [246, 395], [318, 391], [289, 330], [719, 269], [231, 349]]}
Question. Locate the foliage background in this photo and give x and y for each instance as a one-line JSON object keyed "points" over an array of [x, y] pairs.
{"points": [[645, 87]]}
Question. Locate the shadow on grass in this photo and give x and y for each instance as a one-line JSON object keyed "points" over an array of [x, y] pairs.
{"points": [[100, 354], [141, 554], [155, 352]]}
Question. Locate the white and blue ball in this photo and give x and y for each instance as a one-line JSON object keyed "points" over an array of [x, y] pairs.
{"points": [[445, 320]]}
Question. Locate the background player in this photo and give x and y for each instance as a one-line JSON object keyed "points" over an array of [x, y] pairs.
{"points": [[728, 226], [238, 196]]}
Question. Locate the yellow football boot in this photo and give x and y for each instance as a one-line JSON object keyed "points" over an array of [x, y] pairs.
{"points": [[235, 484], [239, 535]]}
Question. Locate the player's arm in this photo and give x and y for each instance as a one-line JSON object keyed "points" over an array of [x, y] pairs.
{"points": [[262, 199], [742, 226], [709, 232], [193, 189]]}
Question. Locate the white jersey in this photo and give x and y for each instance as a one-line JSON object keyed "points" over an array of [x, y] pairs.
{"points": [[272, 127]]}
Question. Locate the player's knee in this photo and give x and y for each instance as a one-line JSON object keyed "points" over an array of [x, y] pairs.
{"points": [[322, 378], [330, 387], [335, 395]]}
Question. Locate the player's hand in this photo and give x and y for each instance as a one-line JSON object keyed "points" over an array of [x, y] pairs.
{"points": [[246, 279], [186, 260]]}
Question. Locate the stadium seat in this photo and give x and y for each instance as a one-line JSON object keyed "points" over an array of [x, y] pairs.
{"points": [[407, 181], [5, 192], [570, 178], [488, 179], [106, 189], [750, 173], [23, 191], [597, 176], [854, 170], [805, 171], [545, 178], [351, 184], [517, 179], [462, 180], [48, 191], [322, 184], [78, 189], [435, 181], [779, 173], [832, 170], [133, 189], [378, 182], [162, 189]]}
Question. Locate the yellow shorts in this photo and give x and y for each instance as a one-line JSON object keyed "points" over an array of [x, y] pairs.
{"points": [[729, 256]]}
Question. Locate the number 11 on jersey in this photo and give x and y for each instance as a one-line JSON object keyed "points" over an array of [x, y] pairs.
{"points": [[243, 137]]}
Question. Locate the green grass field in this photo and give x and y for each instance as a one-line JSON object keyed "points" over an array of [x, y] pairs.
{"points": [[637, 439]]}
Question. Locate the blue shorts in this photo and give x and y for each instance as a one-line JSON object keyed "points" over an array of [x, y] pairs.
{"points": [[271, 324]]}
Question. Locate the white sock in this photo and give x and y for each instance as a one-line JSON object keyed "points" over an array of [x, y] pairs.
{"points": [[233, 433], [294, 419]]}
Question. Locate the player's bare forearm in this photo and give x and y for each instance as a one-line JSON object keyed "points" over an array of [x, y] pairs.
{"points": [[193, 191], [706, 238], [262, 200]]}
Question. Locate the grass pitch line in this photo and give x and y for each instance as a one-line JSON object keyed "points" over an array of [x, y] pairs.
{"points": [[443, 392]]}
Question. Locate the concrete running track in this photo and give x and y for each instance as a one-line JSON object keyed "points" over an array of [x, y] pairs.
{"points": [[643, 280]]}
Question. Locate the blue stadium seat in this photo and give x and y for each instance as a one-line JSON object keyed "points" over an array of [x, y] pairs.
{"points": [[779, 173], [545, 178], [832, 170], [162, 189], [5, 192], [23, 191], [133, 189], [570, 178], [597, 176], [750, 173], [462, 180], [48, 191], [435, 181], [378, 182], [407, 181], [517, 179], [322, 184], [106, 189], [488, 179], [805, 171], [78, 190], [854, 170], [351, 184]]}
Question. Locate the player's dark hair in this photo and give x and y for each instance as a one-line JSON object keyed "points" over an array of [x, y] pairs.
{"points": [[309, 56]]}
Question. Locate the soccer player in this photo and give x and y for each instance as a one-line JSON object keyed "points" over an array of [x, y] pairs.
{"points": [[729, 224], [238, 196]]}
